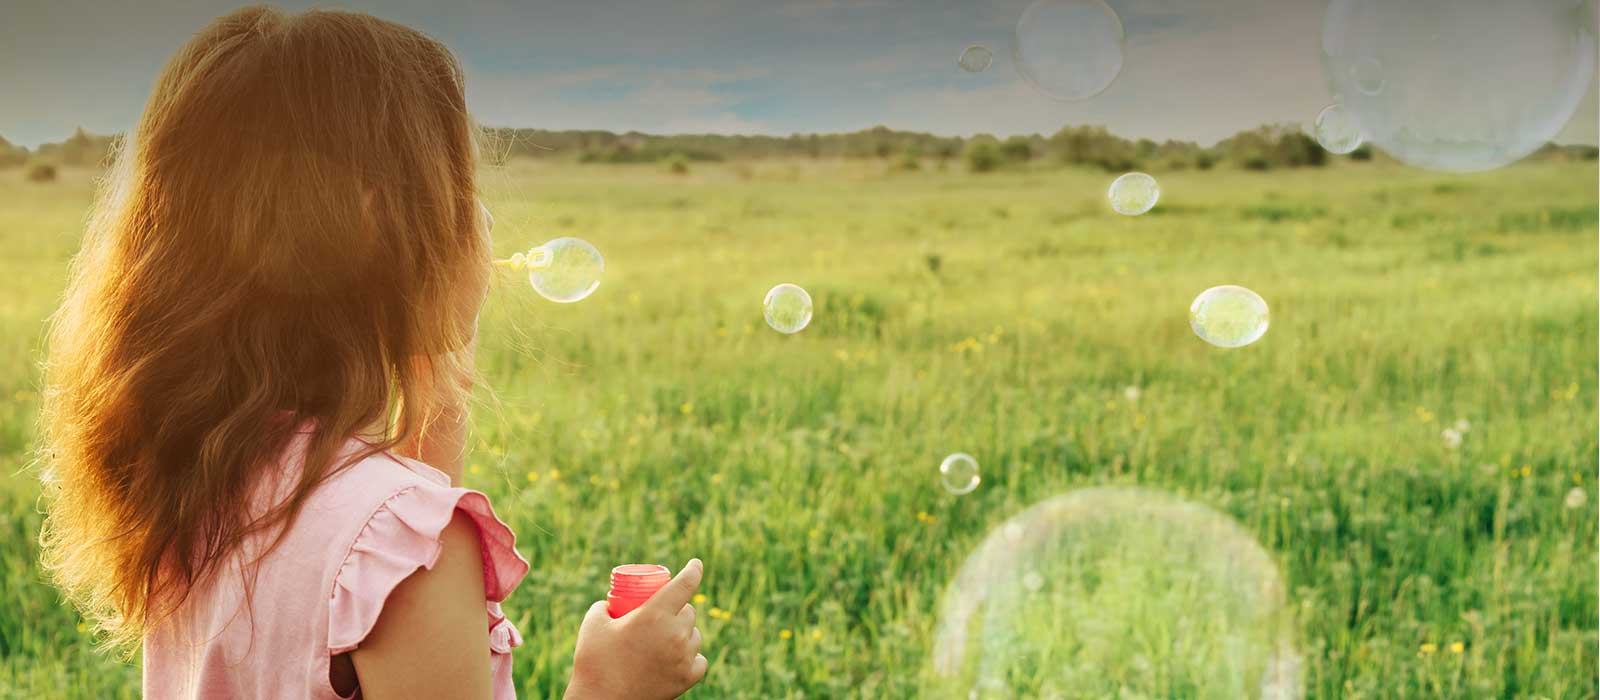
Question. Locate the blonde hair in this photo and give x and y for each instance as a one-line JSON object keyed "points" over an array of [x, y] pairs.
{"points": [[273, 246]]}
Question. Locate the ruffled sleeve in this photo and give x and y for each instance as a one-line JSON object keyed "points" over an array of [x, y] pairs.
{"points": [[401, 536]]}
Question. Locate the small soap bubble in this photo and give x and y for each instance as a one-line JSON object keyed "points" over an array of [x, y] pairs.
{"points": [[1337, 130], [565, 270], [1122, 589], [1133, 194], [1367, 75], [1068, 49], [958, 473], [787, 308], [1229, 316], [1032, 581], [976, 58]]}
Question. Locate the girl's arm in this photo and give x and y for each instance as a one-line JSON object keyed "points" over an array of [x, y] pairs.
{"points": [[430, 640]]}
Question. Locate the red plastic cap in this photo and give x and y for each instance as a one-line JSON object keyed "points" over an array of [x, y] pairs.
{"points": [[633, 584]]}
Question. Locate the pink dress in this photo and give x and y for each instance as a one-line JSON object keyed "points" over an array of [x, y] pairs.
{"points": [[319, 593]]}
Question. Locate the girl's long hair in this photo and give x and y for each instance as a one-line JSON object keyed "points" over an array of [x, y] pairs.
{"points": [[282, 241]]}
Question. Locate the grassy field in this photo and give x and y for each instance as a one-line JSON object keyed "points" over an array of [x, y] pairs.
{"points": [[1006, 316]]}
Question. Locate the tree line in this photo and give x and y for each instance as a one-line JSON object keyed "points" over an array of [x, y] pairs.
{"points": [[1263, 148]]}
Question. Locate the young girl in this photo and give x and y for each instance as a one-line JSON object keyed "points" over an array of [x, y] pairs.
{"points": [[266, 343]]}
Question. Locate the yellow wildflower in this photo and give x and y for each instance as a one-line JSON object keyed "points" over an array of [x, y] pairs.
{"points": [[716, 478], [475, 469], [594, 480], [785, 634], [1428, 648], [555, 473], [816, 633], [616, 484], [699, 598], [533, 476], [687, 408], [1457, 647]]}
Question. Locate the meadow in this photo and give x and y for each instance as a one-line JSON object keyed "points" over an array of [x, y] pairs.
{"points": [[1012, 316]]}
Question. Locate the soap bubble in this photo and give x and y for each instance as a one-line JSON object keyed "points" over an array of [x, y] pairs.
{"points": [[1229, 316], [1068, 49], [1117, 593], [1337, 131], [1367, 75], [1463, 85], [1133, 194], [958, 473], [787, 308], [976, 59], [565, 269]]}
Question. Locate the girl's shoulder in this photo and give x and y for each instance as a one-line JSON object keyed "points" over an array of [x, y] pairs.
{"points": [[373, 478], [393, 511]]}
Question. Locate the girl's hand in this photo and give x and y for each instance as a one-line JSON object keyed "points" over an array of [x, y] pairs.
{"points": [[650, 653]]}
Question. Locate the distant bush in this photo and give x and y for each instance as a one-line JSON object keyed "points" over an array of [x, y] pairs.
{"points": [[982, 156], [1093, 145], [908, 162], [1362, 152], [1015, 150], [42, 172], [677, 164], [12, 156], [82, 149], [1273, 146]]}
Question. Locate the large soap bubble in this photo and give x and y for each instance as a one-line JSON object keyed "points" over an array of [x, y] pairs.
{"points": [[565, 270], [1068, 49], [1460, 85], [1116, 593]]}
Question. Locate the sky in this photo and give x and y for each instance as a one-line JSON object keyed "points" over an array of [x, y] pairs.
{"points": [[1195, 70]]}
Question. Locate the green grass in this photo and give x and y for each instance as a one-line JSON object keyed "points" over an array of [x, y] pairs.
{"points": [[1001, 315]]}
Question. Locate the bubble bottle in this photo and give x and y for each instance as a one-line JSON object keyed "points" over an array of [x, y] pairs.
{"points": [[632, 585]]}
